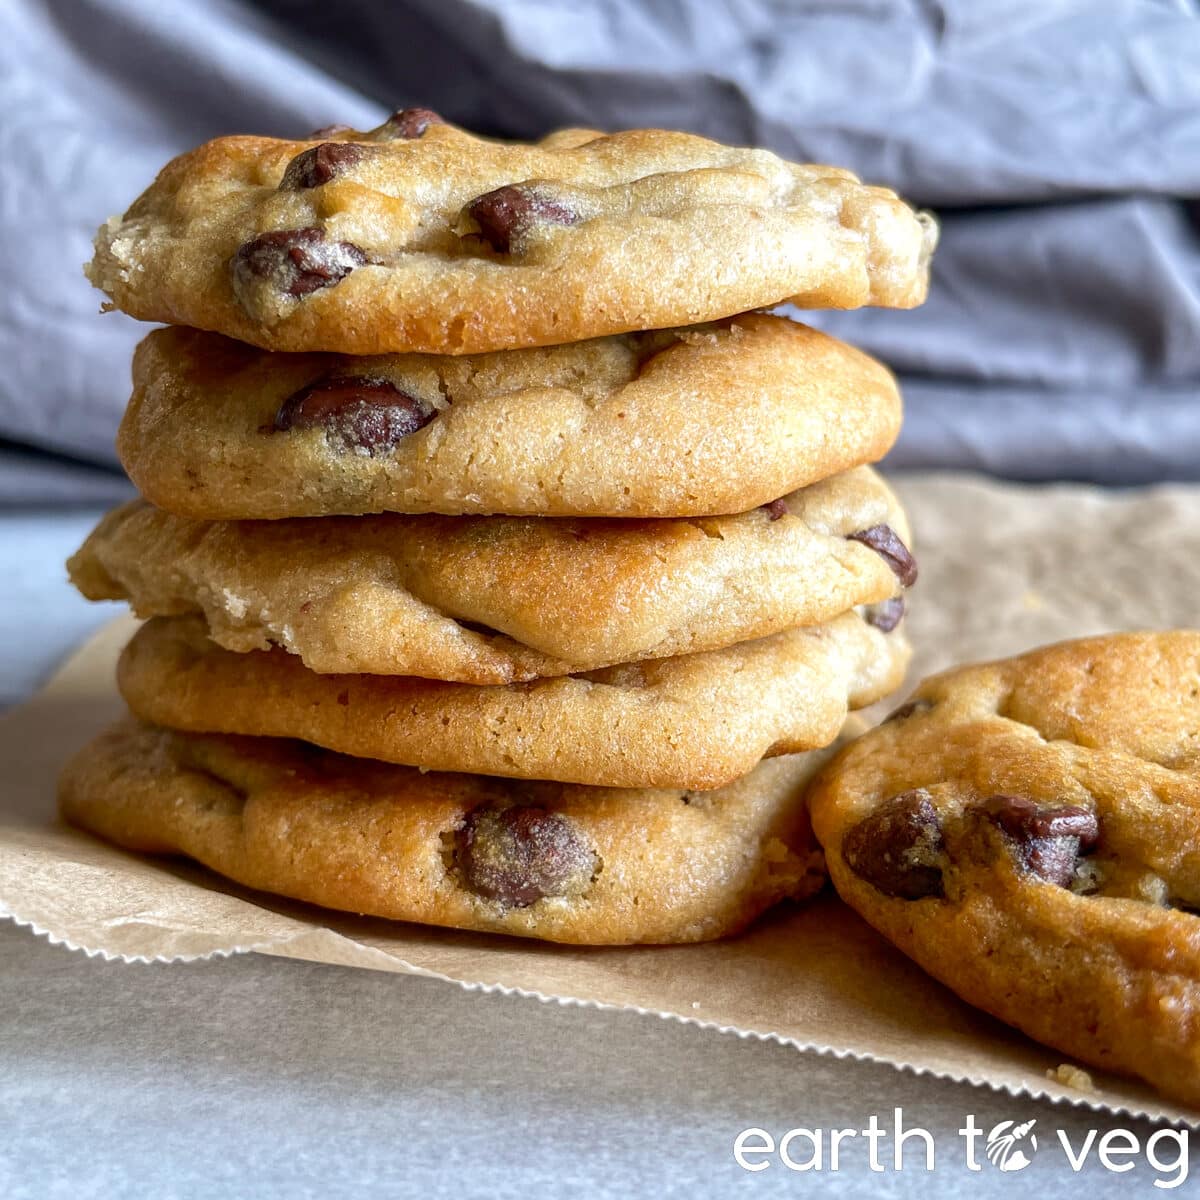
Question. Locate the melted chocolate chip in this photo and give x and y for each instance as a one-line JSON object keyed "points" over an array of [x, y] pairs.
{"points": [[519, 855], [1016, 815], [358, 412], [319, 164], [776, 509], [409, 123], [506, 215], [908, 710], [886, 615], [898, 848], [884, 540], [297, 261], [1046, 841]]}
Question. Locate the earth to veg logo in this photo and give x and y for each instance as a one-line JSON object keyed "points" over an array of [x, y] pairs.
{"points": [[1004, 1145], [1008, 1146]]}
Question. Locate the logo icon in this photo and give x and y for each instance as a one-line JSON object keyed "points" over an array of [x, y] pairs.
{"points": [[1005, 1142]]}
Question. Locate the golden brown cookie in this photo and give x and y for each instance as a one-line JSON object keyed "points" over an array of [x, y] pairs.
{"points": [[698, 721], [1029, 832], [546, 860], [446, 243], [676, 423], [489, 600]]}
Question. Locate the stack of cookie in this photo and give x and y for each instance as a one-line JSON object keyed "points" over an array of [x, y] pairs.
{"points": [[499, 575]]}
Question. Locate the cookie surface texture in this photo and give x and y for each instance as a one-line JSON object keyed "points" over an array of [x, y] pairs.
{"points": [[690, 422], [698, 721], [490, 600], [552, 861], [446, 243], [1029, 832]]}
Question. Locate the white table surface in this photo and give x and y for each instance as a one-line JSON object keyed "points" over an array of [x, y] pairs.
{"points": [[260, 1077]]}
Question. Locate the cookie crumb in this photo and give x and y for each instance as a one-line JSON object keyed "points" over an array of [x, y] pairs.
{"points": [[236, 606], [1072, 1077]]}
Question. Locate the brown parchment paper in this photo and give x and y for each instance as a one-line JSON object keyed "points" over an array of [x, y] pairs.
{"points": [[1003, 568]]}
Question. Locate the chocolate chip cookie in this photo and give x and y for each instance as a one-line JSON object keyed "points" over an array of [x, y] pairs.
{"points": [[490, 600], [1029, 832], [554, 861], [700, 720], [680, 423], [418, 236]]}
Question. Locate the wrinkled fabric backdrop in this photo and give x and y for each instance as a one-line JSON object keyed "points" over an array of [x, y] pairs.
{"points": [[1059, 143]]}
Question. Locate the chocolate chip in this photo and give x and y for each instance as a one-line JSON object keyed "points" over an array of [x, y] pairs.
{"points": [[519, 855], [1016, 815], [327, 131], [319, 164], [908, 710], [296, 261], [884, 540], [506, 215], [409, 123], [776, 509], [1046, 841], [359, 412], [898, 848], [886, 615]]}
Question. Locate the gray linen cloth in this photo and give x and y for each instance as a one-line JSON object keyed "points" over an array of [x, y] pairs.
{"points": [[1059, 140]]}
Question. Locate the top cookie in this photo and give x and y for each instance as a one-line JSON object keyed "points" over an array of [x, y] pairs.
{"points": [[418, 236], [1029, 832]]}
